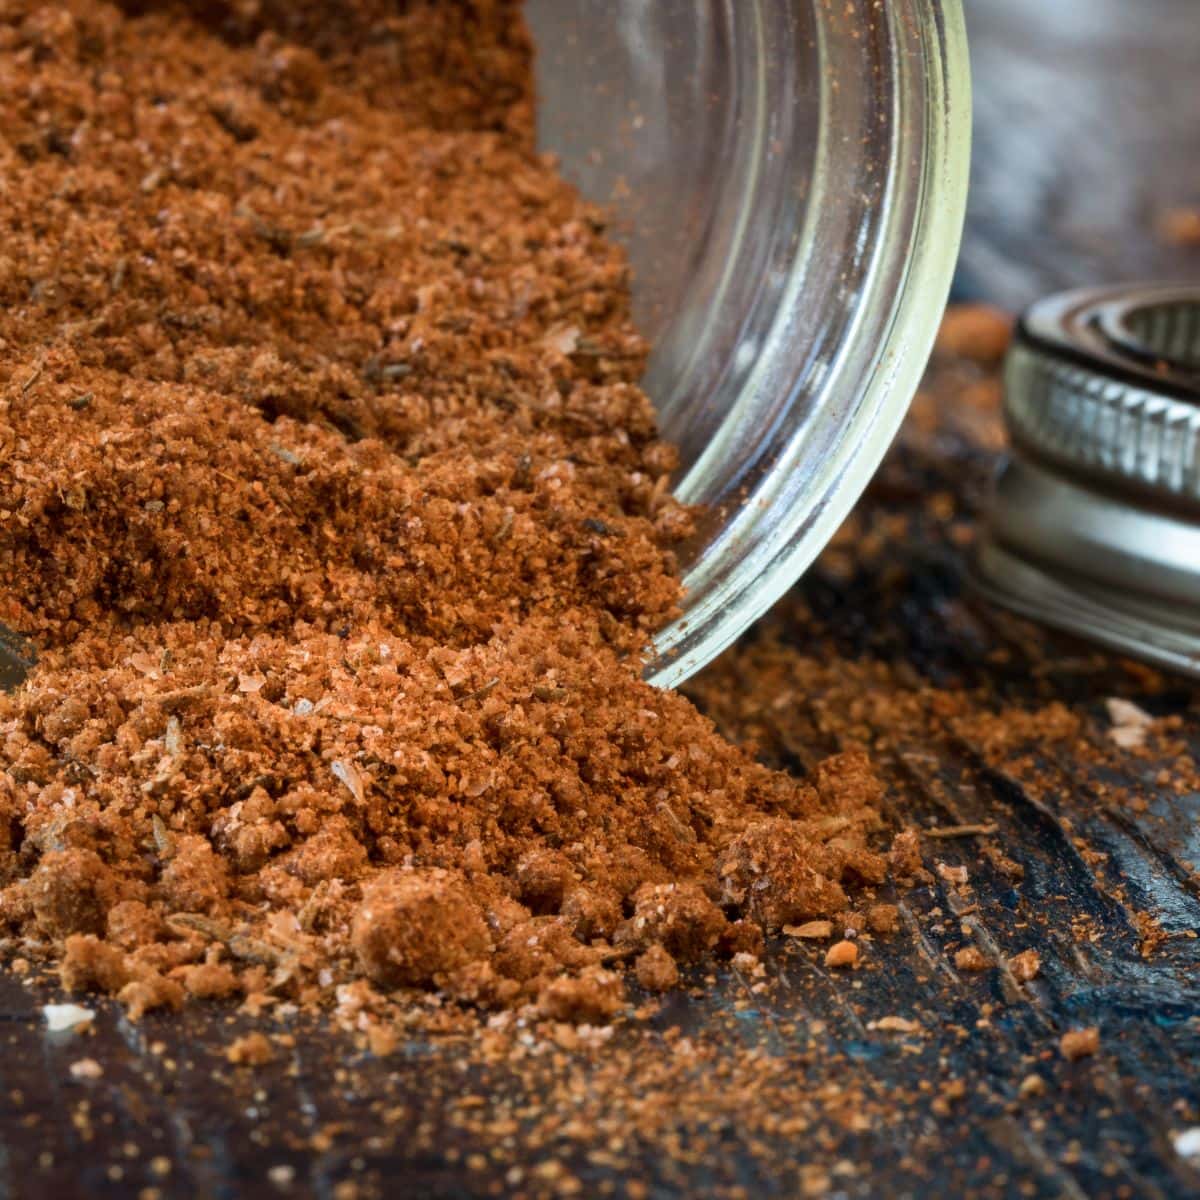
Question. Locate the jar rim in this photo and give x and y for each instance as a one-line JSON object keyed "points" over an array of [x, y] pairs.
{"points": [[890, 328]]}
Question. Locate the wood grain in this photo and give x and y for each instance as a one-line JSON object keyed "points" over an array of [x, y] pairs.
{"points": [[1062, 196], [334, 1114], [1087, 129]]}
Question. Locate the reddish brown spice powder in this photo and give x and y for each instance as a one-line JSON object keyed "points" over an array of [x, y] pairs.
{"points": [[331, 502]]}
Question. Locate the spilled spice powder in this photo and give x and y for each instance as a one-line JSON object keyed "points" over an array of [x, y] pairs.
{"points": [[334, 509]]}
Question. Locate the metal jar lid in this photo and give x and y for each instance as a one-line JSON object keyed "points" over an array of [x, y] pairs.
{"points": [[1094, 525]]}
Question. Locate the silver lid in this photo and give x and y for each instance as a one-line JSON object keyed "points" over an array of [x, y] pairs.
{"points": [[1094, 525]]}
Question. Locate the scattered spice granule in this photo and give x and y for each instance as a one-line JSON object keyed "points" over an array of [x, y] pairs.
{"points": [[1025, 966], [817, 931], [1005, 865], [894, 1024], [72, 1018], [904, 855], [340, 523], [752, 967], [1079, 1043], [656, 970], [208, 981], [841, 954], [593, 996], [957, 877], [252, 1050], [1031, 1086], [282, 1176], [1180, 227], [883, 918], [148, 991], [1130, 724], [1153, 936], [975, 331], [417, 928], [89, 963], [1187, 1142], [949, 1097], [382, 1040], [971, 958], [86, 1068], [815, 1181]]}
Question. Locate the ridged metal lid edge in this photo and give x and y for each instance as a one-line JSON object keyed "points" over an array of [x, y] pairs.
{"points": [[1094, 522], [1102, 382]]}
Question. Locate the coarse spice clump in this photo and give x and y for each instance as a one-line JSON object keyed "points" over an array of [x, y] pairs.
{"points": [[331, 502]]}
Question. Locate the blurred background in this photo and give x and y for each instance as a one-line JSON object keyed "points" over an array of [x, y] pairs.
{"points": [[1087, 145]]}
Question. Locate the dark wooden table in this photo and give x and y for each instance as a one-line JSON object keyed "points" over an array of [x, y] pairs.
{"points": [[938, 1114], [935, 1115]]}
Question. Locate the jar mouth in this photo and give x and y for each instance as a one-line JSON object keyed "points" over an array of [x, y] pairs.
{"points": [[791, 182]]}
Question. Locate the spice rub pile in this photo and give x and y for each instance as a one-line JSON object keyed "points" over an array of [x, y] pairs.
{"points": [[333, 508]]}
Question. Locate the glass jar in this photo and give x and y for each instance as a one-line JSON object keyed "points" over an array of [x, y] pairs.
{"points": [[790, 179]]}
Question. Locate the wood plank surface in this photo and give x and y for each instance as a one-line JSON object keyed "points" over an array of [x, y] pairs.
{"points": [[936, 1113]]}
